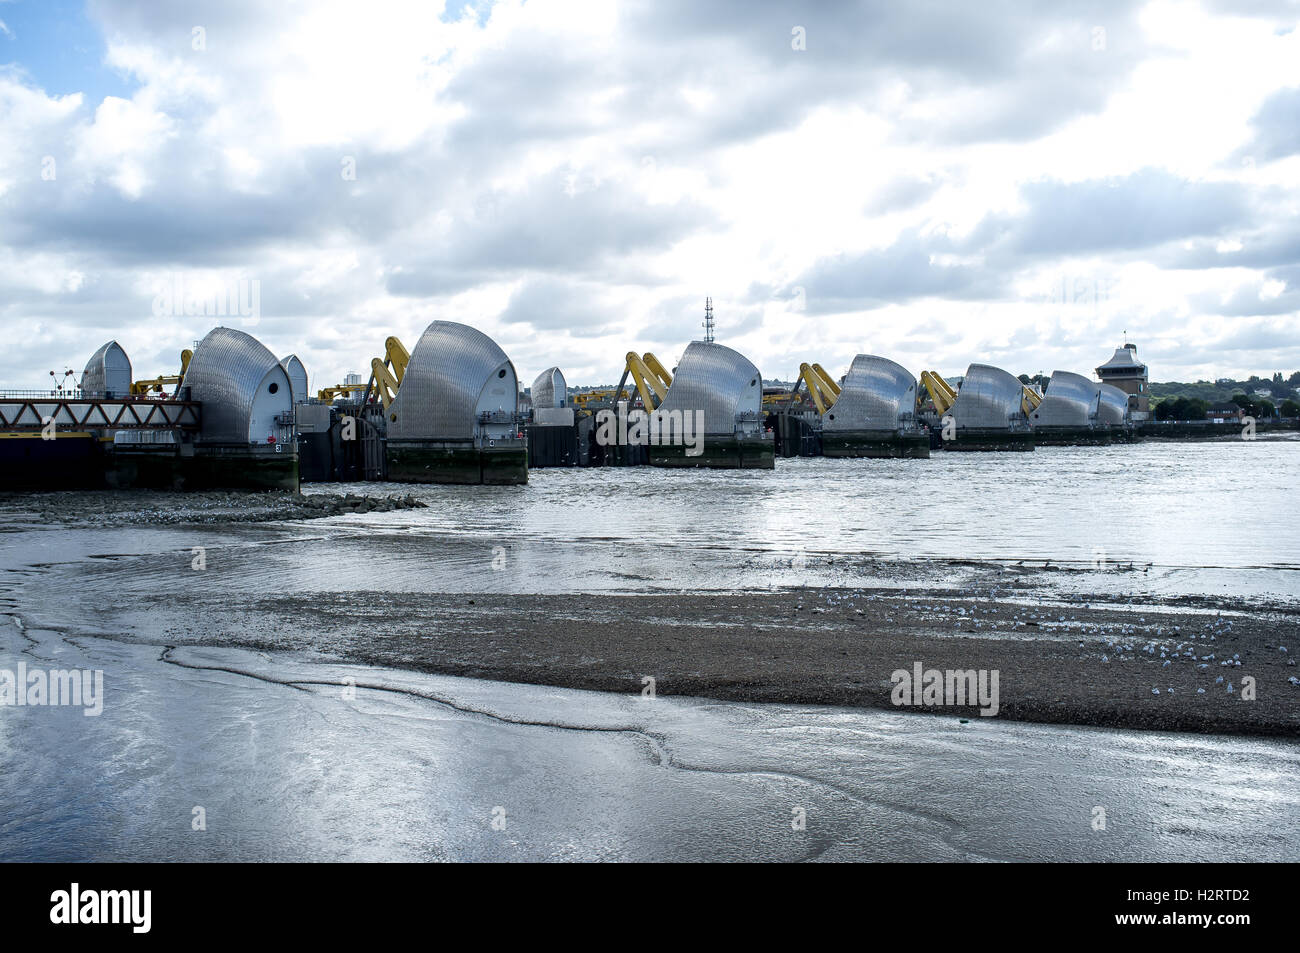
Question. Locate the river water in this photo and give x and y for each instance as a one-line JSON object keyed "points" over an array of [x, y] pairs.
{"points": [[286, 760], [1214, 517]]}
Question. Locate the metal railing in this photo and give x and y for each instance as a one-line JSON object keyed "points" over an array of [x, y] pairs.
{"points": [[73, 393], [77, 393], [499, 417]]}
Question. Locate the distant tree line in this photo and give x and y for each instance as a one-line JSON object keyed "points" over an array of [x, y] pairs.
{"points": [[1194, 408], [1181, 408], [1223, 392]]}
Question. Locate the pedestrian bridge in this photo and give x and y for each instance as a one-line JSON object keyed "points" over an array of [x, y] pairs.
{"points": [[35, 411]]}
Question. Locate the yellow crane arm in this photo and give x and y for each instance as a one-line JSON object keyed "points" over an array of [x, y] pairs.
{"points": [[1030, 399], [329, 393], [778, 400], [648, 384], [598, 396], [818, 387], [827, 381], [941, 391], [386, 382], [385, 373], [652, 362], [140, 388], [398, 357]]}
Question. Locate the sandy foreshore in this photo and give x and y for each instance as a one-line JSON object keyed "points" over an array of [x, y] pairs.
{"points": [[1082, 664]]}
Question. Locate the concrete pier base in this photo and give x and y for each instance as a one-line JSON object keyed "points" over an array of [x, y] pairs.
{"points": [[444, 462], [723, 452], [86, 462], [991, 440], [240, 468], [1072, 436], [144, 468], [875, 444]]}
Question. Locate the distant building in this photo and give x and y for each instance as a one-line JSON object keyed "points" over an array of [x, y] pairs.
{"points": [[1129, 374], [1225, 413]]}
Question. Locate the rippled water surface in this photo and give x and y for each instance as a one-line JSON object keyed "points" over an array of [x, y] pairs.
{"points": [[1205, 517]]}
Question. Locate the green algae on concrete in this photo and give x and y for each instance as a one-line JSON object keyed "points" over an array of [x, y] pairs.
{"points": [[1072, 437], [724, 452], [240, 468], [443, 462], [875, 444], [991, 440]]}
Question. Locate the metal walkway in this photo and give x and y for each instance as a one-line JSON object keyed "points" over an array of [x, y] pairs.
{"points": [[18, 413]]}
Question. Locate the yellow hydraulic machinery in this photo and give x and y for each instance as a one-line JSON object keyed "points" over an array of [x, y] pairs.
{"points": [[821, 388], [328, 394], [387, 374], [156, 384], [940, 390], [651, 379], [775, 399], [799, 382], [828, 383], [581, 400], [1030, 399], [398, 357], [386, 383], [652, 362]]}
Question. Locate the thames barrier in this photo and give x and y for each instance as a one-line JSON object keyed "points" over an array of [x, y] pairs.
{"points": [[453, 411]]}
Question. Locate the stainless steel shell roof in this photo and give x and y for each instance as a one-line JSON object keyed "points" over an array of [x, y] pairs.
{"points": [[719, 381], [549, 390], [226, 372], [297, 372], [107, 372], [989, 399], [876, 394], [1070, 401], [451, 368], [1112, 410]]}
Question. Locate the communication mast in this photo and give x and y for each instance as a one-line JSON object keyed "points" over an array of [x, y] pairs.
{"points": [[708, 320]]}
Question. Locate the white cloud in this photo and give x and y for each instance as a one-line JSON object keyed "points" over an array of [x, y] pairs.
{"points": [[926, 177]]}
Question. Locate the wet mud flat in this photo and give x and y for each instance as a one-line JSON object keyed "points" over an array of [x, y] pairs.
{"points": [[290, 765], [1183, 665], [1068, 645], [73, 508]]}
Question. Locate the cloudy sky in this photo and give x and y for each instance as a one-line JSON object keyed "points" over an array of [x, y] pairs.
{"points": [[1019, 183]]}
